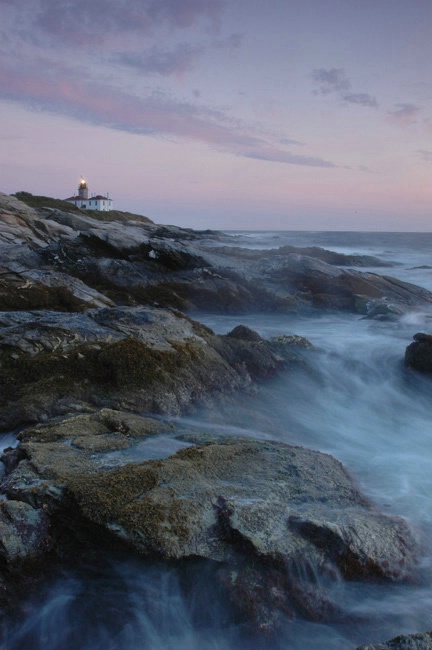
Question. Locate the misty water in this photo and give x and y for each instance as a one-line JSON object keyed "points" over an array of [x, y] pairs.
{"points": [[361, 406]]}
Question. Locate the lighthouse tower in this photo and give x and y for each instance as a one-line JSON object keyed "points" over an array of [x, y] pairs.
{"points": [[83, 189]]}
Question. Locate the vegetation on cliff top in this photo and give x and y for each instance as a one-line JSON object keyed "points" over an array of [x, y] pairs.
{"points": [[35, 201]]}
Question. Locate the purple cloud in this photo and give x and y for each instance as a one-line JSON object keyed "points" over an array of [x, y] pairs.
{"points": [[290, 141], [94, 21], [271, 154], [163, 62], [330, 81], [404, 114], [66, 91], [233, 42], [177, 60], [360, 98], [336, 81]]}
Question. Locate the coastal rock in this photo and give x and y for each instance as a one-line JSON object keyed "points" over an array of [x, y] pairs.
{"points": [[403, 642], [282, 502], [28, 289], [142, 359], [37, 470], [93, 337], [24, 532], [331, 287], [131, 261], [244, 333], [21, 224], [337, 259], [272, 515], [418, 355]]}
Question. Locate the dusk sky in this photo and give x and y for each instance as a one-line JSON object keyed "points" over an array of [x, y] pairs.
{"points": [[229, 114]]}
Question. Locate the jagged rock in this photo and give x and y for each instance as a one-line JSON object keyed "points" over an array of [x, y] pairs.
{"points": [[329, 257], [143, 359], [403, 642], [244, 334], [28, 289], [418, 355], [260, 511], [337, 259], [332, 287], [135, 262], [21, 224]]}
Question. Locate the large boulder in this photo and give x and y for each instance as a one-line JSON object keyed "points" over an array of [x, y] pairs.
{"points": [[273, 517], [281, 502]]}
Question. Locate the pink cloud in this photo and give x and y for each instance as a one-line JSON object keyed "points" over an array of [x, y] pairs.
{"points": [[62, 90]]}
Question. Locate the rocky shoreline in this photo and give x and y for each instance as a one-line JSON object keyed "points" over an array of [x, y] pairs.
{"points": [[96, 350]]}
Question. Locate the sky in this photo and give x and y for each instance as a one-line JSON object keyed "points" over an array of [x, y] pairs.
{"points": [[224, 114]]}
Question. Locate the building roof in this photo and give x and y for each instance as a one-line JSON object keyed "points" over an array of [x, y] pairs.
{"points": [[99, 197]]}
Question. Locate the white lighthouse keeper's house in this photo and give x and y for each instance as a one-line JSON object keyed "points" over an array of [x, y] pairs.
{"points": [[94, 202]]}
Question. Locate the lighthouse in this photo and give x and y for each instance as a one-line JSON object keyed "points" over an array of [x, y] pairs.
{"points": [[83, 189], [95, 202]]}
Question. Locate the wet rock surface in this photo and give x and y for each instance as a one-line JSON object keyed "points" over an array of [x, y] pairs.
{"points": [[136, 358], [261, 510], [73, 261], [24, 532], [91, 337]]}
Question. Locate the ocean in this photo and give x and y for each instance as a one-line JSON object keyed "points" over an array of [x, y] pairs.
{"points": [[368, 412]]}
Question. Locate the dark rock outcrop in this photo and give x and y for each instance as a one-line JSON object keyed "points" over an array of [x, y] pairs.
{"points": [[418, 355], [403, 642]]}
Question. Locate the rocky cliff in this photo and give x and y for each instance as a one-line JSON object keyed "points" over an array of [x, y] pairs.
{"points": [[94, 334]]}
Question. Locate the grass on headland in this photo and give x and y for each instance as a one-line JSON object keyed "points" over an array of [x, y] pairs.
{"points": [[35, 201]]}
